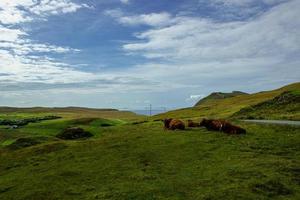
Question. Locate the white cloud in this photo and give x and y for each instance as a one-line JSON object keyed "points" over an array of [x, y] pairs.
{"points": [[10, 35], [21, 59], [234, 2], [243, 3], [194, 98], [194, 51], [125, 1], [15, 3], [23, 47], [13, 16], [152, 19], [273, 34], [46, 7], [30, 69], [19, 11], [231, 10]]}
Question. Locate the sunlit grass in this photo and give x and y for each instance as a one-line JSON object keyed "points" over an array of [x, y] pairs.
{"points": [[145, 162]]}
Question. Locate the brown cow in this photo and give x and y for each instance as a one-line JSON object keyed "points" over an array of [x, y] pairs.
{"points": [[232, 129], [173, 124], [167, 122], [191, 123], [211, 124], [222, 125]]}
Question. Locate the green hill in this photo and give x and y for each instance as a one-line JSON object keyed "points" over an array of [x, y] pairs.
{"points": [[219, 95], [284, 106], [225, 108], [66, 112]]}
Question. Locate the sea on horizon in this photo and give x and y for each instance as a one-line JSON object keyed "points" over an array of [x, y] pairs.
{"points": [[147, 112]]}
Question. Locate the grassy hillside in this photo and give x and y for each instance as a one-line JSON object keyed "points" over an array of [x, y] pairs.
{"points": [[219, 95], [92, 120], [144, 162], [67, 112], [224, 108], [284, 106]]}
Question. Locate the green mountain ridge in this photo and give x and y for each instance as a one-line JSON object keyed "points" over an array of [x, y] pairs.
{"points": [[284, 106], [225, 108], [220, 95]]}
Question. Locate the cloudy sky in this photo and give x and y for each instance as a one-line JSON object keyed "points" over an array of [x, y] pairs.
{"points": [[130, 53]]}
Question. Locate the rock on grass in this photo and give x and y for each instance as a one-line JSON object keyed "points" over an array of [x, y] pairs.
{"points": [[27, 142], [74, 133]]}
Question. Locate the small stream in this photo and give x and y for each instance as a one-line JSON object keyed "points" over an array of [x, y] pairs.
{"points": [[282, 122]]}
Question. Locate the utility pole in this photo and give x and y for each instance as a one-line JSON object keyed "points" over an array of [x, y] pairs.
{"points": [[150, 111]]}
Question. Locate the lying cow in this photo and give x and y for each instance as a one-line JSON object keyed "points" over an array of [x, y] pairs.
{"points": [[173, 124], [191, 123], [222, 125]]}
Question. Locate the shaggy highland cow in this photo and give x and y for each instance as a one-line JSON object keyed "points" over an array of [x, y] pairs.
{"points": [[191, 123], [211, 125], [167, 123], [173, 124], [232, 129], [221, 125]]}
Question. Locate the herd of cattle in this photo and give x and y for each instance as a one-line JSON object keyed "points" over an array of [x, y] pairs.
{"points": [[210, 124]]}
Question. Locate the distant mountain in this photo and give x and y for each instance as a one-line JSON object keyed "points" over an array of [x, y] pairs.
{"points": [[69, 112], [220, 95]]}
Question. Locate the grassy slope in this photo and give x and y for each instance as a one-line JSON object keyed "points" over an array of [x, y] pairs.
{"points": [[219, 95], [144, 162], [88, 119], [68, 112], [224, 108], [284, 106]]}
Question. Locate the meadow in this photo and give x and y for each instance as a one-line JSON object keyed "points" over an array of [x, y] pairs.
{"points": [[128, 160]]}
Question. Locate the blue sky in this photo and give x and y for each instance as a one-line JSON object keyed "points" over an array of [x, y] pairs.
{"points": [[130, 53]]}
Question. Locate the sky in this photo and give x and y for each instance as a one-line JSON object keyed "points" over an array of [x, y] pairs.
{"points": [[127, 54]]}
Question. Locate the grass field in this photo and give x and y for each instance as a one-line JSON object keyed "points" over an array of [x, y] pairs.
{"points": [[90, 120], [133, 157], [144, 162]]}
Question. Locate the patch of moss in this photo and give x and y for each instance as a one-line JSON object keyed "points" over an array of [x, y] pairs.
{"points": [[74, 133], [27, 142], [271, 188]]}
